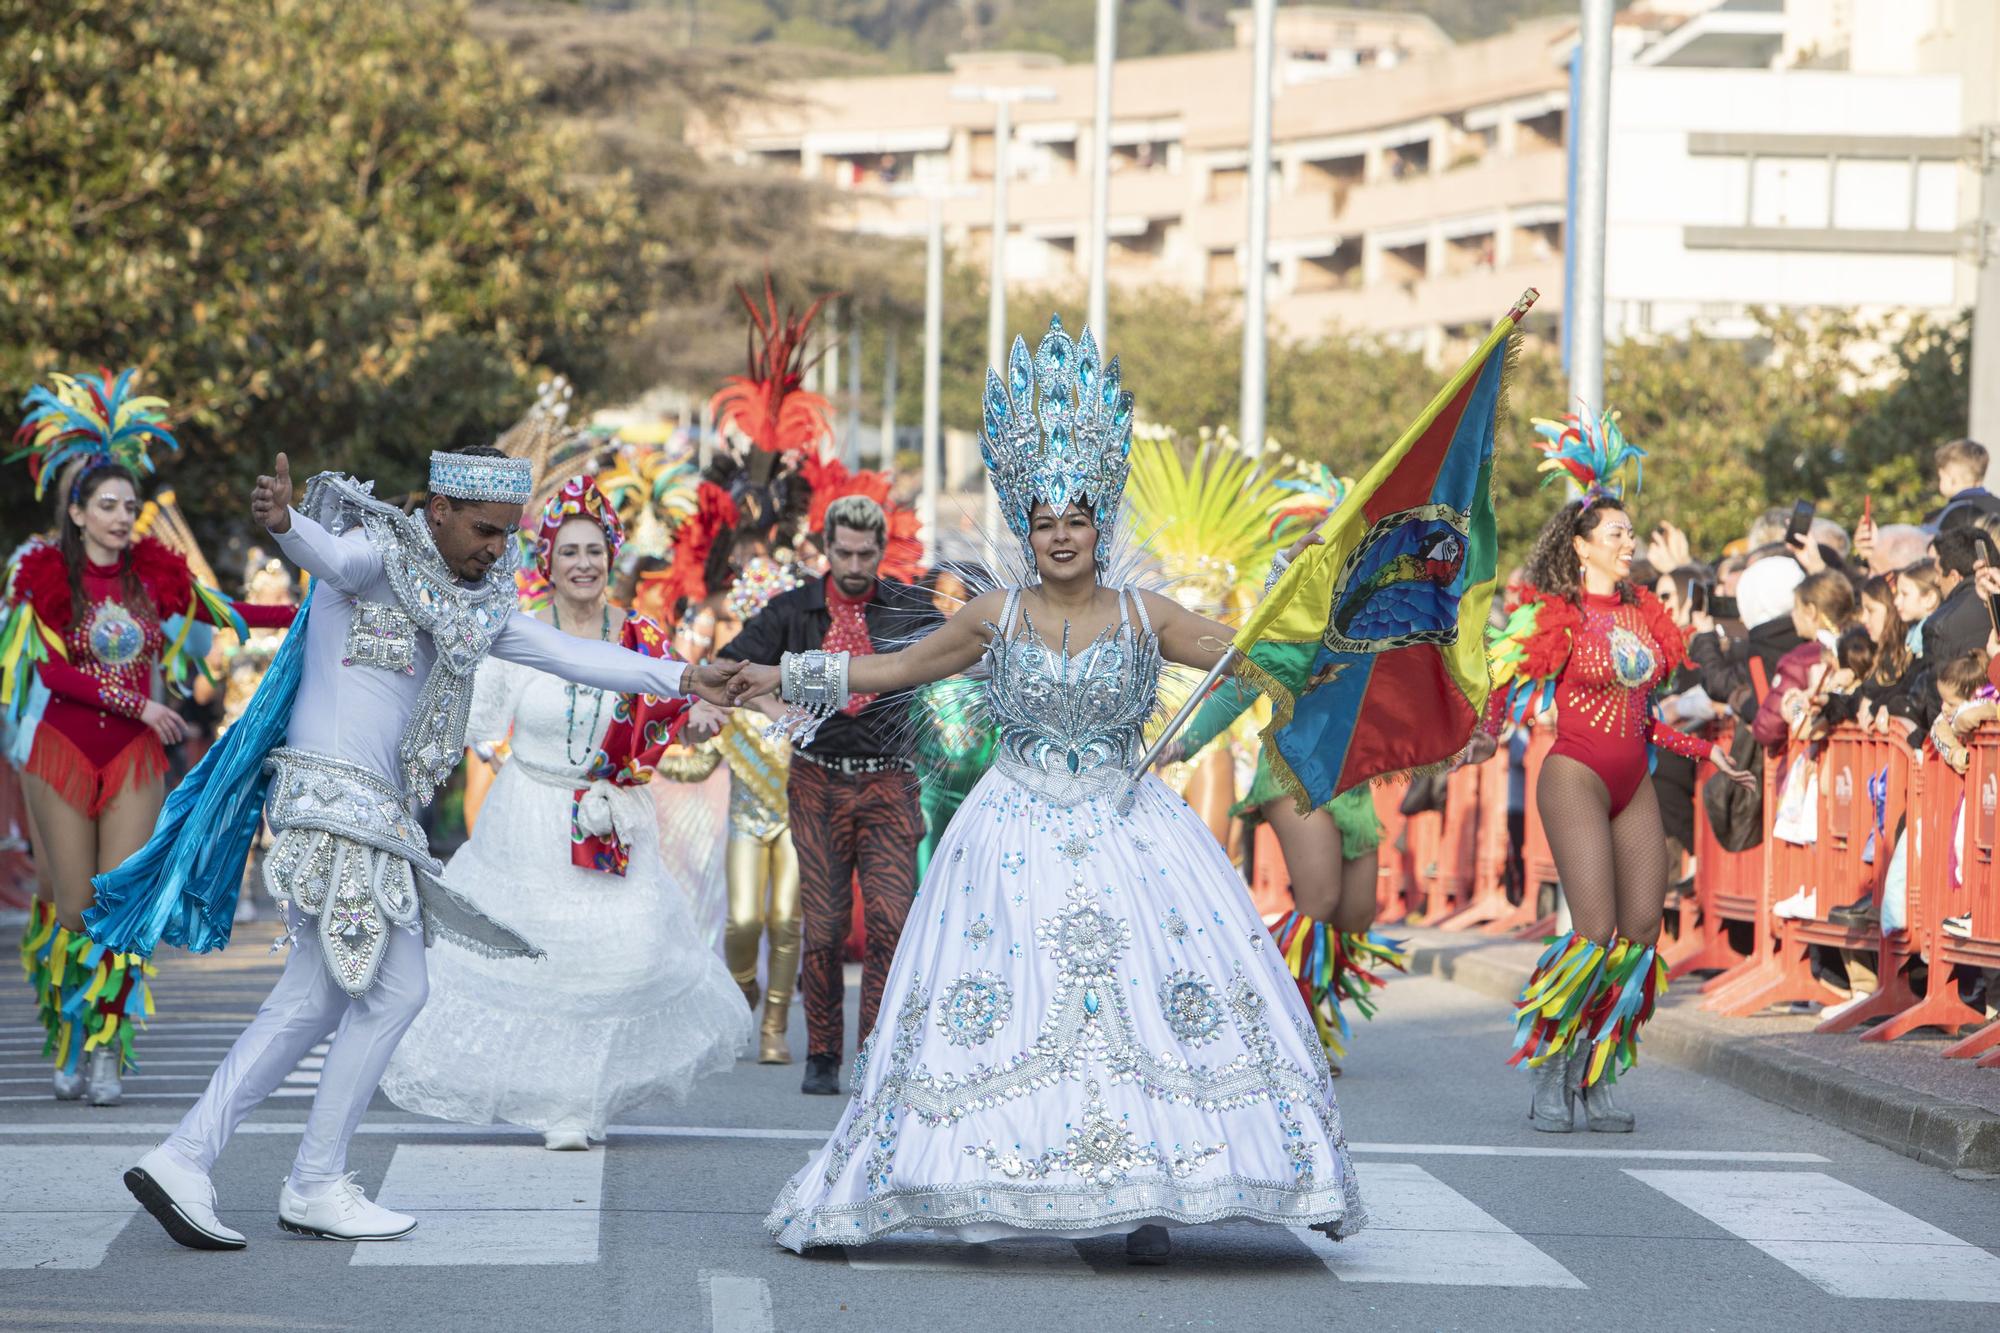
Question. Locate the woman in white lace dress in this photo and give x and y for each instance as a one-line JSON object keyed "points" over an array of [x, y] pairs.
{"points": [[630, 1006], [1087, 1028]]}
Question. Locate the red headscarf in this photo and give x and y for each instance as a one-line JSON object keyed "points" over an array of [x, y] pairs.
{"points": [[579, 498]]}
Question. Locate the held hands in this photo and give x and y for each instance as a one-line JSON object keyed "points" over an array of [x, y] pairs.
{"points": [[710, 681], [1723, 765], [168, 725], [704, 719], [752, 682], [271, 500]]}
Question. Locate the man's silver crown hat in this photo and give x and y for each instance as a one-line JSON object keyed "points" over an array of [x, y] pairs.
{"points": [[472, 477], [1058, 430]]}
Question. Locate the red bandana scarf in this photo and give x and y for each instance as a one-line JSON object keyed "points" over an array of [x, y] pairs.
{"points": [[849, 633]]}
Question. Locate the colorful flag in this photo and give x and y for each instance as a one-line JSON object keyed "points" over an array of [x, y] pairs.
{"points": [[1372, 646]]}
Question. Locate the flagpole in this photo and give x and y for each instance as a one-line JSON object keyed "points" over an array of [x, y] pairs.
{"points": [[1180, 719]]}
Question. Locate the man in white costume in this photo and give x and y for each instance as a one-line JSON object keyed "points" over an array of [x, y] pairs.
{"points": [[405, 607]]}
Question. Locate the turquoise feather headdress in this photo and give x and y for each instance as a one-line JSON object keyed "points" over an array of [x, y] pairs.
{"points": [[89, 419], [1591, 453]]}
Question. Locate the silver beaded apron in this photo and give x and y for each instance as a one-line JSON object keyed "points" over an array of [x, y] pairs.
{"points": [[349, 849]]}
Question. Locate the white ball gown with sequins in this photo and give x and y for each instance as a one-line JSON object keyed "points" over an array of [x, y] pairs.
{"points": [[631, 1005], [1086, 1027]]}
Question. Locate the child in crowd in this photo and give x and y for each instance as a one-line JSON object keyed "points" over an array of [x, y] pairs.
{"points": [[1919, 591], [1968, 700]]}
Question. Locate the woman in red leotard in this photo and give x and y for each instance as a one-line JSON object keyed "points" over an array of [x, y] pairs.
{"points": [[88, 620], [1595, 646]]}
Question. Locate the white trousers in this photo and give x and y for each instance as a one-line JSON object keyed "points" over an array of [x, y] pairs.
{"points": [[303, 1007]]}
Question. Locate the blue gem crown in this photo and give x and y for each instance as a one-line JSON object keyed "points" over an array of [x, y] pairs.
{"points": [[476, 478], [1058, 430]]}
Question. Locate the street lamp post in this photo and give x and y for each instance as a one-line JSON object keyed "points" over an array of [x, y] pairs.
{"points": [[934, 462], [1584, 302], [1100, 166], [1251, 423]]}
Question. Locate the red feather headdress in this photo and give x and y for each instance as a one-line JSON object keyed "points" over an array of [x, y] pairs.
{"points": [[769, 406]]}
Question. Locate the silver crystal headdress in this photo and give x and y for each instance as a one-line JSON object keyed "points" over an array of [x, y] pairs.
{"points": [[1058, 430], [476, 477]]}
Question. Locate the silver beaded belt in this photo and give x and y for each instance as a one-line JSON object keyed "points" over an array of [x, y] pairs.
{"points": [[856, 767]]}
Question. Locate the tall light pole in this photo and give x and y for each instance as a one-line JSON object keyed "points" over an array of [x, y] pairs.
{"points": [[1002, 100], [934, 462], [1251, 425], [1584, 301], [1100, 166]]}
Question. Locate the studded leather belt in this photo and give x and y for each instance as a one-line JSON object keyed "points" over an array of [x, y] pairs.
{"points": [[852, 766]]}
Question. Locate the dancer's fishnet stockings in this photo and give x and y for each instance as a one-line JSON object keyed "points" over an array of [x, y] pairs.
{"points": [[1614, 872]]}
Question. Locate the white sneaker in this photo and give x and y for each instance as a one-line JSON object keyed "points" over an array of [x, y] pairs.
{"points": [[181, 1200], [342, 1213], [107, 1088], [1959, 927], [565, 1140], [1801, 906]]}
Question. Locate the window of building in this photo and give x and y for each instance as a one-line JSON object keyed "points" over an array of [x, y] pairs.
{"points": [[1540, 240], [1144, 248], [1221, 275], [781, 159], [1539, 133], [1409, 159], [1339, 271], [1228, 184], [1473, 253], [1405, 263]]}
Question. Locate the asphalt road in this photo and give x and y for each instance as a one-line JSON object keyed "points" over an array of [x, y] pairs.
{"points": [[1722, 1212]]}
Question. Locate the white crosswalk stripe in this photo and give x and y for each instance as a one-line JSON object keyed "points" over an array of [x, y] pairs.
{"points": [[1844, 1240], [1423, 1231], [937, 1254], [737, 1304], [64, 1206], [530, 1206]]}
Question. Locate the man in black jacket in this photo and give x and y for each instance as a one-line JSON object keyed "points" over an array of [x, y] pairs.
{"points": [[853, 790], [1959, 625]]}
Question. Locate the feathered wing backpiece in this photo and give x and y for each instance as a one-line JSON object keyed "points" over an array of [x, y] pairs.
{"points": [[1203, 520], [1591, 454], [89, 418], [769, 405]]}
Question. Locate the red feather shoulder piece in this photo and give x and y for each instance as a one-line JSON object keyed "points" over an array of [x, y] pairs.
{"points": [[1545, 650], [163, 572], [42, 581]]}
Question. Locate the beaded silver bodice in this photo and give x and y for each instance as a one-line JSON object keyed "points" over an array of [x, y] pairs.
{"points": [[1071, 724]]}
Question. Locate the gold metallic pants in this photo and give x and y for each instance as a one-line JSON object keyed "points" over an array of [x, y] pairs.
{"points": [[764, 893]]}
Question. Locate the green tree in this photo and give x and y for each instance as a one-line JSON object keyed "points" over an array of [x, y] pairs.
{"points": [[336, 229]]}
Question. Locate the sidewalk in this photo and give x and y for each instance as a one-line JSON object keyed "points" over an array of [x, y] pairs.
{"points": [[1900, 1094]]}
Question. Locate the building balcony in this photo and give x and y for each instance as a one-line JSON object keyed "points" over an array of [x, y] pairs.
{"points": [[1387, 309]]}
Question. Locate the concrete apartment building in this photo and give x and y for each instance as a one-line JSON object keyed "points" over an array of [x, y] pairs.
{"points": [[1804, 153]]}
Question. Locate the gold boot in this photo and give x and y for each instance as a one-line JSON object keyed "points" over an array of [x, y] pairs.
{"points": [[772, 1047]]}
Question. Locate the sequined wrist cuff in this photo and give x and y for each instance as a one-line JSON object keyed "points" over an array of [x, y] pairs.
{"points": [[814, 683], [122, 701], [1279, 564]]}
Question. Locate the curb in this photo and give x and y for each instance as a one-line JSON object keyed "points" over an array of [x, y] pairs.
{"points": [[1930, 1129]]}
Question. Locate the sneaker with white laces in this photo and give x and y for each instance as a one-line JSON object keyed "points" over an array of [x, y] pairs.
{"points": [[1960, 926], [343, 1212], [182, 1200], [1801, 906]]}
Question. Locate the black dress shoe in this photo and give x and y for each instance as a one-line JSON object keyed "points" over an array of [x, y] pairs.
{"points": [[1857, 913], [1148, 1245], [822, 1076]]}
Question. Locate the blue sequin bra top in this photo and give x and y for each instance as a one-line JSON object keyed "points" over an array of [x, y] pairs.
{"points": [[1071, 724]]}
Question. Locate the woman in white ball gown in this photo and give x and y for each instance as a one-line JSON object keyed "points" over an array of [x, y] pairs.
{"points": [[1087, 1029], [630, 1006]]}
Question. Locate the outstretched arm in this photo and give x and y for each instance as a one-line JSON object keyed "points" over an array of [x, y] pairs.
{"points": [[604, 666], [949, 649], [348, 564]]}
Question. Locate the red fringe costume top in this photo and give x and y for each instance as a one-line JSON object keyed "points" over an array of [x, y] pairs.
{"points": [[90, 744], [1598, 660]]}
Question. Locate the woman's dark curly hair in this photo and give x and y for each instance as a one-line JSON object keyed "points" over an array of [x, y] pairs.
{"points": [[1552, 566]]}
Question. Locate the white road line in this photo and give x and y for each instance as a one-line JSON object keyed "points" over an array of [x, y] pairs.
{"points": [[430, 1127], [1843, 1240], [534, 1206], [941, 1254], [737, 1304], [1648, 1154], [1425, 1232], [64, 1206]]}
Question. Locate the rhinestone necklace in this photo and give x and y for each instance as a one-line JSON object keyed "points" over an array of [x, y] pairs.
{"points": [[597, 699]]}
